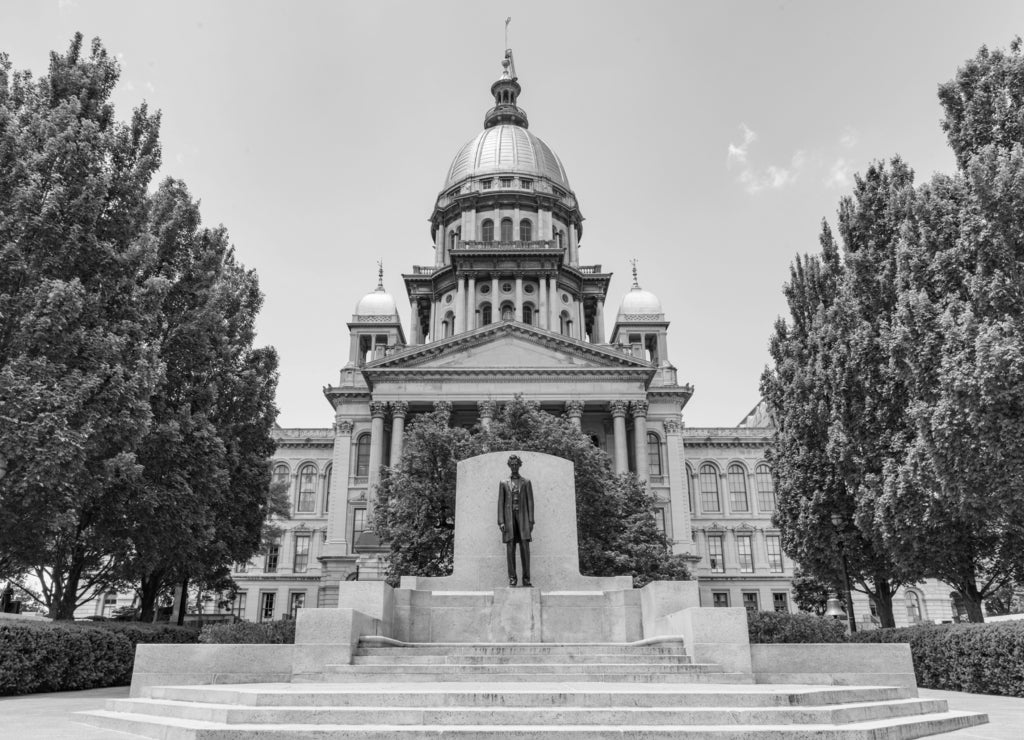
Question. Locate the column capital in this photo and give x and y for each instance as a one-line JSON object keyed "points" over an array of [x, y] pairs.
{"points": [[574, 408], [378, 409], [672, 425], [399, 409], [639, 408], [618, 409], [487, 409], [344, 427], [444, 407]]}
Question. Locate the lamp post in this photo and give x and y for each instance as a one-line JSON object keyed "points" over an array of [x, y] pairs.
{"points": [[839, 523]]}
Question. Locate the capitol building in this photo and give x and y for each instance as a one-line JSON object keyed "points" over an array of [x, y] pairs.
{"points": [[503, 306]]}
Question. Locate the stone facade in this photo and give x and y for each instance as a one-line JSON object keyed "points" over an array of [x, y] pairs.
{"points": [[506, 307]]}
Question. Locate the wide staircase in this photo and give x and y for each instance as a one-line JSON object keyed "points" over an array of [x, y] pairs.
{"points": [[526, 690]]}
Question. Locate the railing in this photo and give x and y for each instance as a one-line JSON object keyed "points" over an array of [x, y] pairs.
{"points": [[502, 245], [590, 269], [424, 269]]}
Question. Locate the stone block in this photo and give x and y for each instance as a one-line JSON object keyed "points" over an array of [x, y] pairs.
{"points": [[658, 599], [208, 664], [835, 664], [714, 635], [373, 598], [516, 615], [325, 636]]}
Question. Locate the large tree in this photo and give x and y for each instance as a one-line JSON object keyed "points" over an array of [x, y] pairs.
{"points": [[77, 360], [617, 532]]}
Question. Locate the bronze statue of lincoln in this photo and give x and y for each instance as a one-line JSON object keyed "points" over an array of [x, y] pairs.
{"points": [[515, 519]]}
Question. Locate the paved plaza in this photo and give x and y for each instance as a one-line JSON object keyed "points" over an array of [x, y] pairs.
{"points": [[51, 716]]}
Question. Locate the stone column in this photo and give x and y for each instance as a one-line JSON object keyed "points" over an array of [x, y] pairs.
{"points": [[460, 305], [399, 409], [599, 322], [678, 486], [574, 410], [618, 412], [580, 322], [433, 320], [542, 303], [337, 510], [639, 409], [553, 303], [377, 411], [487, 409], [519, 296], [471, 303], [495, 301], [574, 257], [414, 322]]}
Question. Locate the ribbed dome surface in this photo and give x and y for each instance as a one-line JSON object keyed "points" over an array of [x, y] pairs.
{"points": [[506, 148], [640, 301], [377, 303]]}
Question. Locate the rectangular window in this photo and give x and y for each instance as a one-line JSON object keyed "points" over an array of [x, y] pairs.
{"points": [[774, 543], [750, 601], [716, 553], [241, 567], [780, 602], [746, 553], [486, 184], [659, 519], [720, 598], [358, 523], [295, 602], [267, 607], [527, 184], [238, 606], [506, 182], [301, 563], [273, 553]]}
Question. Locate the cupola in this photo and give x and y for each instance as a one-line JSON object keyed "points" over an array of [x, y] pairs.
{"points": [[375, 330]]}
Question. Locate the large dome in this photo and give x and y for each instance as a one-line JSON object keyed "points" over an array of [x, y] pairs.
{"points": [[506, 148]]}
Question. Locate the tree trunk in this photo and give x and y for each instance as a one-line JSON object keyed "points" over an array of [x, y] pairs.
{"points": [[67, 599], [184, 602], [972, 599], [150, 589], [883, 603]]}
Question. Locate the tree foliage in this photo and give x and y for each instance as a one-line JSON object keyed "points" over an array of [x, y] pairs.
{"points": [[617, 532]]}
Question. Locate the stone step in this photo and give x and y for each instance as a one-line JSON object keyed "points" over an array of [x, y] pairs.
{"points": [[167, 728], [524, 649], [440, 674], [487, 669], [499, 715], [516, 695], [403, 657]]}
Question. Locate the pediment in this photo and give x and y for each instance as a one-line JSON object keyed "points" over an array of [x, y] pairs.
{"points": [[509, 345]]}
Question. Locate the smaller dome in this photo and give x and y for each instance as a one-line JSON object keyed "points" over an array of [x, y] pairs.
{"points": [[640, 301], [377, 303]]}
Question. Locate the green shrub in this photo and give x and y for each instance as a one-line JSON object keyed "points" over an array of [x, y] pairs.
{"points": [[66, 656], [977, 658], [764, 627], [263, 633]]}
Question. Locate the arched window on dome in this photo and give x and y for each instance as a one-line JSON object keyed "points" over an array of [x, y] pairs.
{"points": [[559, 238], [487, 230], [508, 312], [525, 230], [527, 313], [565, 324], [451, 240], [485, 314], [737, 477], [506, 229]]}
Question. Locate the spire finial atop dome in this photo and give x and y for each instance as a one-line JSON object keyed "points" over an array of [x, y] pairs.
{"points": [[380, 275], [506, 91], [636, 285]]}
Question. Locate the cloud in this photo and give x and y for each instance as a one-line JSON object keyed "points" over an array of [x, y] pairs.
{"points": [[840, 174], [771, 177], [849, 138]]}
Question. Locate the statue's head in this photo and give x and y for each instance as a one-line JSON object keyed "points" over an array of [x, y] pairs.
{"points": [[514, 463]]}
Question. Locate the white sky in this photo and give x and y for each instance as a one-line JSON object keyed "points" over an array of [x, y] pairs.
{"points": [[705, 139]]}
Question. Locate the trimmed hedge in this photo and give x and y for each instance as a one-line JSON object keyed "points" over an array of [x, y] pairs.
{"points": [[48, 656], [765, 627], [977, 658], [262, 633]]}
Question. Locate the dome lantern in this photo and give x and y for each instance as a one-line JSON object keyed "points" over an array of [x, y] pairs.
{"points": [[506, 90]]}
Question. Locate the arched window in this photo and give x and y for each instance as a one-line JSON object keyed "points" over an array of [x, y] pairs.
{"points": [[327, 488], [565, 324], [451, 240], [765, 488], [738, 488], [363, 456], [689, 489], [507, 312], [307, 489], [280, 473], [653, 454], [487, 230], [448, 325], [485, 314], [506, 229], [913, 607], [709, 500], [525, 230], [558, 239], [527, 314]]}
